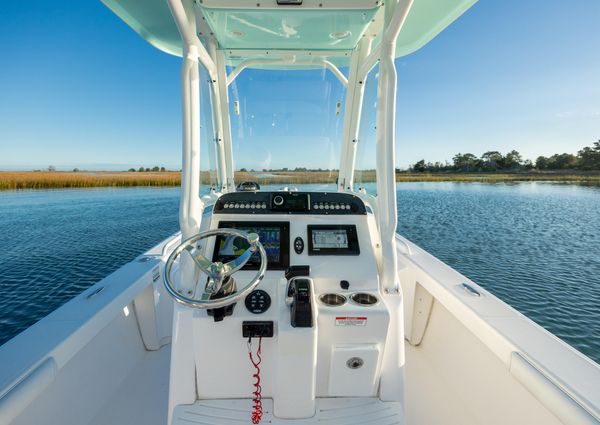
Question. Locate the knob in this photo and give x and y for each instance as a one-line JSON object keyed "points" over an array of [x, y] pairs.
{"points": [[278, 200]]}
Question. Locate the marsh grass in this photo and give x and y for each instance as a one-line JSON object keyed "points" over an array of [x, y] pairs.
{"points": [[61, 180]]}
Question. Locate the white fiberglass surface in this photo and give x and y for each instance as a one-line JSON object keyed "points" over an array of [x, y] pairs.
{"points": [[287, 120]]}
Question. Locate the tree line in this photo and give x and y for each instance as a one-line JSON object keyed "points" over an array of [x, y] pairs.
{"points": [[587, 159], [142, 169], [52, 169]]}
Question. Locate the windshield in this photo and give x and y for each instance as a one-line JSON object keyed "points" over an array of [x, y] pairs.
{"points": [[365, 170], [287, 126], [208, 163]]}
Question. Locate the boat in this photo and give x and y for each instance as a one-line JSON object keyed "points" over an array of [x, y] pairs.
{"points": [[284, 305]]}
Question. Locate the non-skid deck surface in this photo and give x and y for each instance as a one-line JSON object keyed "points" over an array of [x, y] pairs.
{"points": [[330, 411]]}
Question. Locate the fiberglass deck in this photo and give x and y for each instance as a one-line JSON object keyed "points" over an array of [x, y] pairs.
{"points": [[330, 411]]}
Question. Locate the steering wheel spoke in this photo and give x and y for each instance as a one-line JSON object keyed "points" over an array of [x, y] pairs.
{"points": [[235, 265], [200, 260]]}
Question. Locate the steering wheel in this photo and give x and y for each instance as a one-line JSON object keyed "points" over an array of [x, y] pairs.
{"points": [[217, 272]]}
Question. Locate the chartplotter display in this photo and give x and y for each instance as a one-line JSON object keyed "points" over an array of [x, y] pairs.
{"points": [[274, 237], [332, 240]]}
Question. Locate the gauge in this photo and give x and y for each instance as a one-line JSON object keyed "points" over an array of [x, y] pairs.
{"points": [[258, 301]]}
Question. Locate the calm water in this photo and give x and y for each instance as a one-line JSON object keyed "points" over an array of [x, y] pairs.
{"points": [[534, 245]]}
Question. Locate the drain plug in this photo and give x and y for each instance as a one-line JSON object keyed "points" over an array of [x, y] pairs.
{"points": [[355, 362]]}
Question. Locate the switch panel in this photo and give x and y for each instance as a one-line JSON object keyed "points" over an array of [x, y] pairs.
{"points": [[256, 329]]}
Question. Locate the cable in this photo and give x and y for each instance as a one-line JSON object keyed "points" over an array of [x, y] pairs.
{"points": [[257, 411]]}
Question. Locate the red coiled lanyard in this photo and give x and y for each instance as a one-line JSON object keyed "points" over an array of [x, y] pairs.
{"points": [[257, 411]]}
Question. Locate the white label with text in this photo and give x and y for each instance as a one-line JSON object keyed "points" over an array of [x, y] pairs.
{"points": [[351, 321]]}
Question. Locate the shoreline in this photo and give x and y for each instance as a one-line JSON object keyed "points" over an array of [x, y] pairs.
{"points": [[34, 180]]}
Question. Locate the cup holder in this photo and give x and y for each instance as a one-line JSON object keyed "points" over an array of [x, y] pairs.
{"points": [[332, 300], [362, 298]]}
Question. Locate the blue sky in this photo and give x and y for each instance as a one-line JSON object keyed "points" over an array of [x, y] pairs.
{"points": [[78, 88]]}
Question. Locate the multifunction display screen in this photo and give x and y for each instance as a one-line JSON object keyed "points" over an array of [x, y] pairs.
{"points": [[329, 238], [274, 236], [332, 240]]}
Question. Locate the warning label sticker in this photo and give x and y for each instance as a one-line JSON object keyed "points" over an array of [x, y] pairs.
{"points": [[351, 321]]}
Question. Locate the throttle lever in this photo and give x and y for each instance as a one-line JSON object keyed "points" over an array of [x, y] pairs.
{"points": [[299, 291]]}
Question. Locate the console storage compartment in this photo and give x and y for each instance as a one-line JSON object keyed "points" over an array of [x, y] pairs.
{"points": [[353, 370]]}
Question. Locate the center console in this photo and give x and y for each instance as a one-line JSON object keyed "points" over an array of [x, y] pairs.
{"points": [[323, 322]]}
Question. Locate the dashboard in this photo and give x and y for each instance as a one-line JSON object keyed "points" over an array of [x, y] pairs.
{"points": [[313, 236]]}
